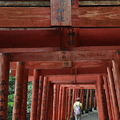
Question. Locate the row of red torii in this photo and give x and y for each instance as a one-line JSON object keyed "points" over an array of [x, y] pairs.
{"points": [[52, 58]]}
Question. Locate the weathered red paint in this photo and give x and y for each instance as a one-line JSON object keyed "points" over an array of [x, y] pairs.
{"points": [[116, 71], [18, 91], [113, 93], [59, 105], [90, 100], [54, 103], [24, 96], [35, 88], [87, 100], [62, 104], [109, 106], [40, 17], [58, 89], [4, 78], [100, 97], [39, 97], [44, 99], [69, 105]]}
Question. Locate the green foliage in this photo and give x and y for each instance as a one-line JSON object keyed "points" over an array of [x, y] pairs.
{"points": [[11, 96], [29, 99]]}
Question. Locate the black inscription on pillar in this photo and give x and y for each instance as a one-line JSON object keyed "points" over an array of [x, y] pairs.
{"points": [[3, 92], [2, 108], [3, 82]]}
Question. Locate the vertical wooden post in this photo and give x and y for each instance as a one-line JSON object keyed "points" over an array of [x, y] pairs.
{"points": [[69, 101], [51, 103], [34, 103], [44, 99], [18, 91], [87, 101], [73, 101], [24, 97], [66, 102], [59, 105], [95, 101], [116, 70], [82, 99], [113, 93], [108, 98], [62, 104], [90, 101], [4, 80], [81, 95], [39, 97], [100, 99], [58, 89], [54, 102], [47, 99]]}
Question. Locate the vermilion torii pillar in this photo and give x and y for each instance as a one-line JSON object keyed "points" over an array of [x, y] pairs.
{"points": [[4, 79], [113, 93], [18, 91], [69, 100], [59, 105], [24, 96], [90, 101], [108, 98], [95, 101], [82, 99], [87, 101], [44, 99], [116, 71], [63, 104], [50, 104], [39, 97], [55, 103], [33, 114], [58, 89], [100, 99]]}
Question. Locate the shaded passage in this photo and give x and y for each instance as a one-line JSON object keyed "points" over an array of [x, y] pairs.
{"points": [[90, 116]]}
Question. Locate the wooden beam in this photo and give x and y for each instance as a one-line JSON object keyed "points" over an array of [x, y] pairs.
{"points": [[68, 79], [24, 17], [63, 56], [96, 17], [66, 71], [53, 49], [37, 38], [60, 64], [80, 86], [29, 38], [40, 17]]}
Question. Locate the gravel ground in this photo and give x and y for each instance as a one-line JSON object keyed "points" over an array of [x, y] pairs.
{"points": [[90, 116]]}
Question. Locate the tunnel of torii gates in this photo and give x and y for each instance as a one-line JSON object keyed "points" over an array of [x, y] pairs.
{"points": [[74, 53]]}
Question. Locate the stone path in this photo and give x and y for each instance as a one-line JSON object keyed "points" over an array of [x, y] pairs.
{"points": [[90, 116]]}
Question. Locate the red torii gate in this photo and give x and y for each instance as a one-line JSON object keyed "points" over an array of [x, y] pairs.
{"points": [[59, 57]]}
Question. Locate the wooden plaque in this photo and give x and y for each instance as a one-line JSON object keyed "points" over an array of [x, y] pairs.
{"points": [[60, 12]]}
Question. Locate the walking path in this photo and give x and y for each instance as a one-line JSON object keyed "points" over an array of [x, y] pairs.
{"points": [[90, 116]]}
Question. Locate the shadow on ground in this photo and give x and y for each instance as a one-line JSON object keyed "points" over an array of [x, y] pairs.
{"points": [[90, 116]]}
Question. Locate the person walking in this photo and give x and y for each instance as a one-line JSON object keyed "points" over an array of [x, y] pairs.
{"points": [[77, 109]]}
